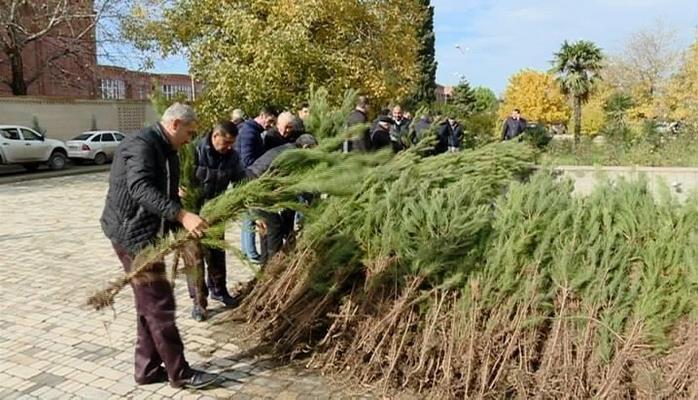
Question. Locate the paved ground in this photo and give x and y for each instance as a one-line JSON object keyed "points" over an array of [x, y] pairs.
{"points": [[52, 255]]}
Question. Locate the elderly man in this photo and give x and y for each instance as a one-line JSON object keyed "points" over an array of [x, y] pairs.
{"points": [[143, 205]]}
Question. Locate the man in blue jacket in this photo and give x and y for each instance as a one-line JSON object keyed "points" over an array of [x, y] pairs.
{"points": [[250, 146], [142, 205]]}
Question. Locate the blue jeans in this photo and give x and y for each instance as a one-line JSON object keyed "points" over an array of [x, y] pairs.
{"points": [[248, 239]]}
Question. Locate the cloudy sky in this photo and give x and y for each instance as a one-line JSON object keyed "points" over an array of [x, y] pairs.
{"points": [[496, 38], [499, 37]]}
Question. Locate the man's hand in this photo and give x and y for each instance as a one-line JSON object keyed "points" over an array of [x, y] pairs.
{"points": [[192, 223], [261, 226], [182, 191]]}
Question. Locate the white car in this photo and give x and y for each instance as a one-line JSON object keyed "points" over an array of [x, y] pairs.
{"points": [[97, 146], [25, 146]]}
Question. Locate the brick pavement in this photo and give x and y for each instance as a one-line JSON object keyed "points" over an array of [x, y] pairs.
{"points": [[52, 256]]}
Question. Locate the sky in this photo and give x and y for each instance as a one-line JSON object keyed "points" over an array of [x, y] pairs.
{"points": [[497, 38]]}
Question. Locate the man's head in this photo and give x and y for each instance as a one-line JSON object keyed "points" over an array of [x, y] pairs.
{"points": [[516, 114], [384, 121], [304, 110], [237, 116], [223, 137], [362, 103], [285, 124], [179, 122], [306, 141], [397, 113], [266, 117]]}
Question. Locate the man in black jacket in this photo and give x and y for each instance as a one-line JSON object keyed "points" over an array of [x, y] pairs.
{"points": [[142, 205], [278, 225], [217, 166], [514, 125], [359, 114], [452, 133]]}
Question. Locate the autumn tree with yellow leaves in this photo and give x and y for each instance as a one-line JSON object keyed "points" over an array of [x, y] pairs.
{"points": [[538, 97], [254, 52], [682, 96]]}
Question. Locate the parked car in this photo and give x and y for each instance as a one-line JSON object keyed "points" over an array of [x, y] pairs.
{"points": [[97, 146], [26, 147]]}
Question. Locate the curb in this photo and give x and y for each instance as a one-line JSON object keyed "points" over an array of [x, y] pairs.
{"points": [[24, 177]]}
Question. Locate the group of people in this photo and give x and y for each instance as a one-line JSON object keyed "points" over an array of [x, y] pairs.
{"points": [[395, 129], [143, 204]]}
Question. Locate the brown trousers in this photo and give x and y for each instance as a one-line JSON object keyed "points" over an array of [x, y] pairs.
{"points": [[157, 339]]}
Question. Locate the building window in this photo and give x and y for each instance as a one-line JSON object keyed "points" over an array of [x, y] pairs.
{"points": [[170, 91], [112, 89]]}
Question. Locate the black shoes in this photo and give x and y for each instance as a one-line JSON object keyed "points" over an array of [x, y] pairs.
{"points": [[198, 380], [226, 299], [198, 313]]}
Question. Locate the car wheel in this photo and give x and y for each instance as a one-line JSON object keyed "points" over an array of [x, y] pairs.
{"points": [[31, 167], [57, 161], [100, 158]]}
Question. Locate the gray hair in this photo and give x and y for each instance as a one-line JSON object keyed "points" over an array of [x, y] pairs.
{"points": [[237, 114], [285, 118], [181, 112]]}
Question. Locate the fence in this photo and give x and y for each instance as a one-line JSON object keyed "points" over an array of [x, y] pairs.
{"points": [[63, 118]]}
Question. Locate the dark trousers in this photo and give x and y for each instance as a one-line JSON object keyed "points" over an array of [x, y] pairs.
{"points": [[279, 226], [216, 277], [157, 339]]}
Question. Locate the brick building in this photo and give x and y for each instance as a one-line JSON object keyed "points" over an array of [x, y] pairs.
{"points": [[117, 83], [64, 62], [60, 63], [443, 93]]}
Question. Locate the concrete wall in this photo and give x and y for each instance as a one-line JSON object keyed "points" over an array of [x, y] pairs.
{"points": [[63, 118], [681, 181]]}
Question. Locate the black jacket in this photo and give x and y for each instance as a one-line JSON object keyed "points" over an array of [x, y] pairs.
{"points": [[263, 163], [215, 171], [452, 134], [380, 139], [273, 139], [356, 117], [142, 200], [420, 127], [513, 128]]}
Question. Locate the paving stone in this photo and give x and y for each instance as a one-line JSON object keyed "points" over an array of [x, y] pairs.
{"points": [[47, 379], [59, 349]]}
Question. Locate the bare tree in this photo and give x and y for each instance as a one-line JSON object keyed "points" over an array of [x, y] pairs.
{"points": [[67, 31], [647, 60]]}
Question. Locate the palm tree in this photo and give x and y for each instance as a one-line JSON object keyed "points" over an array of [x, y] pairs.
{"points": [[577, 66]]}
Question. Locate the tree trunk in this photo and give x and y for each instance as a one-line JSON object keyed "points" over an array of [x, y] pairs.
{"points": [[577, 119], [18, 84]]}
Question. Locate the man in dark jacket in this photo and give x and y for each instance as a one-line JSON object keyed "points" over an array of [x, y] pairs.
{"points": [[420, 128], [278, 225], [217, 166], [380, 136], [514, 125], [250, 146], [142, 205], [452, 133], [284, 132], [359, 114]]}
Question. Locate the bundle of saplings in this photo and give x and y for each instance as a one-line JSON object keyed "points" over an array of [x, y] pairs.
{"points": [[452, 276], [467, 276]]}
